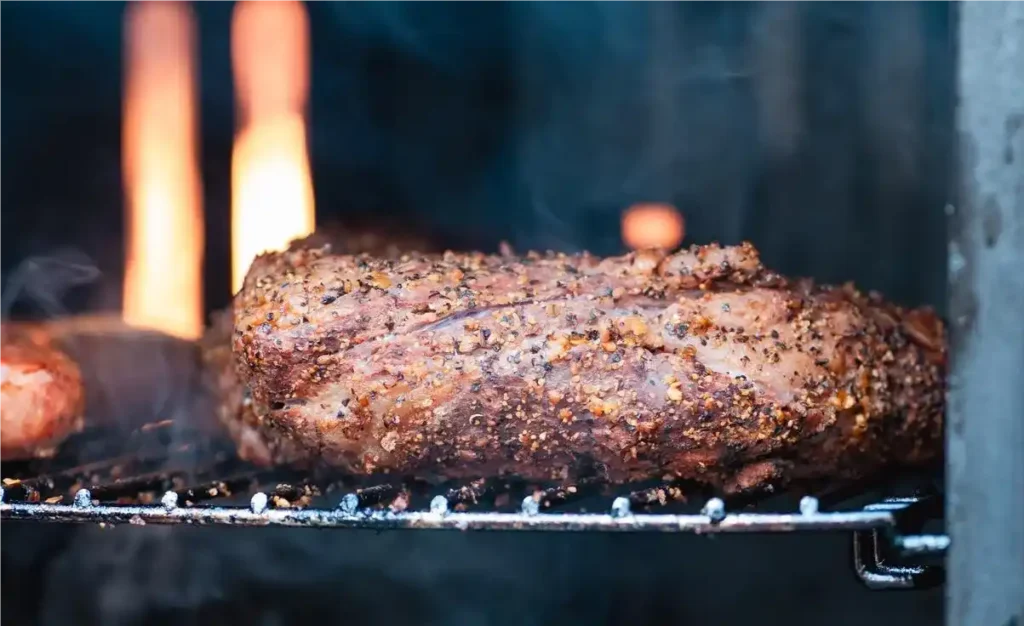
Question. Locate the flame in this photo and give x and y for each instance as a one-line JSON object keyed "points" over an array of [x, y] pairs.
{"points": [[272, 191], [163, 273], [652, 225]]}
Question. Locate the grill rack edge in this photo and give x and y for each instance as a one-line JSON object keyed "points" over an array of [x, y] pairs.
{"points": [[889, 551], [879, 544]]}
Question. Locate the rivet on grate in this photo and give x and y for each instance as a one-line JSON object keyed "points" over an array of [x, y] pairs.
{"points": [[439, 505], [258, 503], [808, 505], [83, 498], [349, 504], [170, 500], [530, 506], [620, 507], [714, 509]]}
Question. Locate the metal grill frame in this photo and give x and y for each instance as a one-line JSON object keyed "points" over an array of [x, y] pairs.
{"points": [[984, 439], [879, 540]]}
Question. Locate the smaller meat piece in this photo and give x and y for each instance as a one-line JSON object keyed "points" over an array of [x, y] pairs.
{"points": [[43, 398]]}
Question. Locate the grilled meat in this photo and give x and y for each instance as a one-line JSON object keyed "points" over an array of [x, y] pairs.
{"points": [[388, 241], [42, 395], [256, 440], [699, 365]]}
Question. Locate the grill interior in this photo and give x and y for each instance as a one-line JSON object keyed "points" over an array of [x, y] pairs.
{"points": [[167, 473]]}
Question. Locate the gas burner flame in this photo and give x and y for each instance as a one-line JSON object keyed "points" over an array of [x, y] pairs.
{"points": [[163, 272], [653, 225], [272, 190]]}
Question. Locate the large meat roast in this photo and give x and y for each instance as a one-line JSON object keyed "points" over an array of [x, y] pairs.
{"points": [[699, 365]]}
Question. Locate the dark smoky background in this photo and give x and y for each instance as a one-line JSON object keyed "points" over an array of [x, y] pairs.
{"points": [[819, 131]]}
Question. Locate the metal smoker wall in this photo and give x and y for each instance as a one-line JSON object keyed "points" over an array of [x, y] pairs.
{"points": [[985, 437]]}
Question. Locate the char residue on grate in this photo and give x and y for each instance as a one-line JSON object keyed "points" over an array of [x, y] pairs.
{"points": [[139, 467], [163, 474]]}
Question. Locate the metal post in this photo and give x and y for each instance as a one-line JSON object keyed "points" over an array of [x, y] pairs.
{"points": [[985, 433]]}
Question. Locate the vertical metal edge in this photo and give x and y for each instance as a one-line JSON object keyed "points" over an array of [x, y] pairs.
{"points": [[985, 430]]}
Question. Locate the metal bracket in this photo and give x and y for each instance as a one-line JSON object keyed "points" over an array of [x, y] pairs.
{"points": [[883, 558]]}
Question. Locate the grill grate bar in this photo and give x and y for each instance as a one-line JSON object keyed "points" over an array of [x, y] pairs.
{"points": [[439, 517], [877, 529]]}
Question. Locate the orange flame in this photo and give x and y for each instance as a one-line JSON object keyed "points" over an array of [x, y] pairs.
{"points": [[651, 225], [163, 273], [272, 191]]}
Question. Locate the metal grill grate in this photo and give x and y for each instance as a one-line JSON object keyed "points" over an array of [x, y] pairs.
{"points": [[888, 546]]}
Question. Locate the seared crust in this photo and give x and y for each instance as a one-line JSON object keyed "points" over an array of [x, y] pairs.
{"points": [[257, 439], [42, 395], [696, 365]]}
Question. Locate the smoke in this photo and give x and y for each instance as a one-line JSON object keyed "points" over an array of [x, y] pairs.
{"points": [[43, 282], [540, 122], [266, 576], [162, 575], [131, 376]]}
